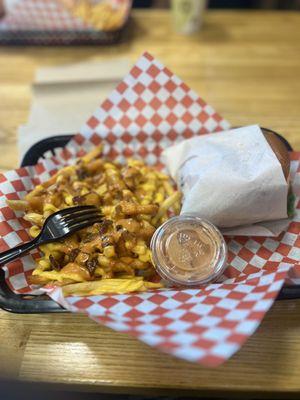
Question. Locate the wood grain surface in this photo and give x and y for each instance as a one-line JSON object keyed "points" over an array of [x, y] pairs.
{"points": [[246, 64]]}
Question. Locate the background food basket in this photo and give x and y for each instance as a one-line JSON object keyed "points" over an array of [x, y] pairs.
{"points": [[63, 22]]}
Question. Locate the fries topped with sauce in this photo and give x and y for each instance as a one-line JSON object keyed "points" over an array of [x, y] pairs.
{"points": [[114, 254]]}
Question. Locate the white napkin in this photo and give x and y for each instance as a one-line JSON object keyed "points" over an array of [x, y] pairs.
{"points": [[233, 179], [65, 96]]}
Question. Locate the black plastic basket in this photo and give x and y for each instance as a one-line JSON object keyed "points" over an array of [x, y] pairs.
{"points": [[63, 38], [27, 304]]}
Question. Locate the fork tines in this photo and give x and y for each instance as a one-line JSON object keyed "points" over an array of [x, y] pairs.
{"points": [[75, 217]]}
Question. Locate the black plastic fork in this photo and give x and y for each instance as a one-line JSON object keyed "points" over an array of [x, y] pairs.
{"points": [[57, 226]]}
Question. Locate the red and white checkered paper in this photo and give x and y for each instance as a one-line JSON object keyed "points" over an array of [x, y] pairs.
{"points": [[149, 110], [45, 15]]}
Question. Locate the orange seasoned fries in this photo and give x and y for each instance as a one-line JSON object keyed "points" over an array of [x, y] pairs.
{"points": [[112, 256], [101, 14]]}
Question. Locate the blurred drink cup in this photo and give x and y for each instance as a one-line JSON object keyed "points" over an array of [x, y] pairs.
{"points": [[188, 15]]}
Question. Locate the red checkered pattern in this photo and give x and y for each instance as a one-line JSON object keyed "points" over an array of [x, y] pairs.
{"points": [[149, 110], [13, 228], [41, 15], [201, 325]]}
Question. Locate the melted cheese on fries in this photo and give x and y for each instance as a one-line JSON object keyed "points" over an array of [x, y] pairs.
{"points": [[133, 198]]}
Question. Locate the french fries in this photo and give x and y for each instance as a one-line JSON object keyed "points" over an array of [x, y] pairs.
{"points": [[113, 255], [100, 15], [119, 286], [18, 205]]}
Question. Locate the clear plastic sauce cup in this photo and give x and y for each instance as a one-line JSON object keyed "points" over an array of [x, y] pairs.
{"points": [[188, 251]]}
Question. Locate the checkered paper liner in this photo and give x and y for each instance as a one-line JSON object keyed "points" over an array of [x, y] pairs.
{"points": [[46, 15], [149, 110]]}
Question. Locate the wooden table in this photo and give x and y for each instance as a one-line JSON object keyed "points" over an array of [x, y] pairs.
{"points": [[246, 64]]}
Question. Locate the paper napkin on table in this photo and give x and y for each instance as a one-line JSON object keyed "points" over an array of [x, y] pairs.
{"points": [[64, 97]]}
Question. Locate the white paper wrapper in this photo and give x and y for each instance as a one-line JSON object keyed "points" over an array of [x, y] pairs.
{"points": [[233, 179]]}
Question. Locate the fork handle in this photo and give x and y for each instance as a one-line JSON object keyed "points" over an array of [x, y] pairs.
{"points": [[11, 254]]}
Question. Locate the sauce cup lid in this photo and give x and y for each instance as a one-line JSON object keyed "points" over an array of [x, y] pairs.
{"points": [[188, 251]]}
